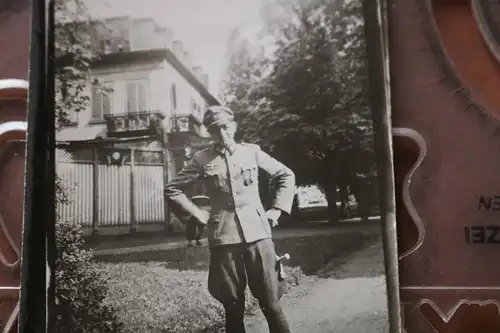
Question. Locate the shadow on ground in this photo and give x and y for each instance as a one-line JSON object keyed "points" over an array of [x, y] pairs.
{"points": [[310, 253], [143, 238], [377, 322], [370, 263]]}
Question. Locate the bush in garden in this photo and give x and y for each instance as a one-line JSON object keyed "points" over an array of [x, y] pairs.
{"points": [[81, 290]]}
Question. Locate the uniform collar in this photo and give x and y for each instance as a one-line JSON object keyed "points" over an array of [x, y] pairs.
{"points": [[225, 150]]}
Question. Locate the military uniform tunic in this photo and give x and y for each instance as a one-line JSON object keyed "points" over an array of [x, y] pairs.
{"points": [[231, 178]]}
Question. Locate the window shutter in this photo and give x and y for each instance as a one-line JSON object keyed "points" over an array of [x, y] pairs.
{"points": [[96, 104], [73, 117], [174, 98], [132, 97], [143, 100], [106, 103]]}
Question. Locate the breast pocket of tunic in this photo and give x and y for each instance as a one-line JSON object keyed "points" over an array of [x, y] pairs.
{"points": [[249, 174]]}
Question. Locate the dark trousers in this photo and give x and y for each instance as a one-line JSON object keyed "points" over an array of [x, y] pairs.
{"points": [[194, 231], [232, 267]]}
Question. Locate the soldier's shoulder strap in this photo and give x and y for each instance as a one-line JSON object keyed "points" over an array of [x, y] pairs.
{"points": [[251, 145], [202, 155]]}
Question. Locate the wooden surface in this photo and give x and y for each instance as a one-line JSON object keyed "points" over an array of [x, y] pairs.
{"points": [[446, 86], [14, 57]]}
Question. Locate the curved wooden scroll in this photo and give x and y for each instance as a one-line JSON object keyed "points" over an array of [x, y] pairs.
{"points": [[14, 60], [10, 225], [445, 78], [487, 15], [10, 248], [405, 187]]}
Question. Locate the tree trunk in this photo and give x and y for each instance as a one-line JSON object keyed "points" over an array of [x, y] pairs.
{"points": [[344, 199], [362, 196], [332, 198]]}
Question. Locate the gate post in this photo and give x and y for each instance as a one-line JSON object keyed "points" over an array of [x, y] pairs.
{"points": [[133, 222], [166, 210], [166, 164], [95, 189]]}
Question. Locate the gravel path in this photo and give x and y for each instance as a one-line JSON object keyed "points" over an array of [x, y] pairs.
{"points": [[349, 298], [346, 297]]}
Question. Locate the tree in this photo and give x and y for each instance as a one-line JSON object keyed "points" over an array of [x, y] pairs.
{"points": [[312, 95], [244, 84], [81, 289], [76, 48]]}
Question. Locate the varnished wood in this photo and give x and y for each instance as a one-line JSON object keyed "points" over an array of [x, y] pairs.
{"points": [[446, 86], [14, 56]]}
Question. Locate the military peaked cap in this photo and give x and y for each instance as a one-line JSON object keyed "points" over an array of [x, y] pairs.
{"points": [[217, 115]]}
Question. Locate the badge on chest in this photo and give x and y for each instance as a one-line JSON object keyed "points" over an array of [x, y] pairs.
{"points": [[249, 174]]}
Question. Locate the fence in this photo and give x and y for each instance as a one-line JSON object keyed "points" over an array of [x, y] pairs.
{"points": [[111, 187]]}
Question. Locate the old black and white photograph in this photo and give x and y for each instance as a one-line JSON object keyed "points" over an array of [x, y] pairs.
{"points": [[215, 168]]}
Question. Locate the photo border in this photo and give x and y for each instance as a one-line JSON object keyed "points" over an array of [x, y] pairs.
{"points": [[37, 203], [376, 35], [376, 27]]}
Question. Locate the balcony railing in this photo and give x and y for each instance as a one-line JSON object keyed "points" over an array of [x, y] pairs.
{"points": [[134, 124], [184, 124]]}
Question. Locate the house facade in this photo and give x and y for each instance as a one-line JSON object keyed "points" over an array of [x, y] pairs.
{"points": [[146, 104]]}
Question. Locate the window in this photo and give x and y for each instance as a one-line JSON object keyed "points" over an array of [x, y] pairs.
{"points": [[140, 37], [101, 100], [123, 39], [173, 99], [137, 95], [73, 117], [105, 46]]}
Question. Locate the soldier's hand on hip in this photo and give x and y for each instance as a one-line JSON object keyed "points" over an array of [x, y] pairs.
{"points": [[272, 216]]}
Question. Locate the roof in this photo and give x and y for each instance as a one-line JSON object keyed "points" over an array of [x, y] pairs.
{"points": [[158, 54], [102, 140], [99, 141], [131, 56]]}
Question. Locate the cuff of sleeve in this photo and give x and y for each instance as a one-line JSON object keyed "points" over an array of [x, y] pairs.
{"points": [[282, 208], [186, 209], [201, 216]]}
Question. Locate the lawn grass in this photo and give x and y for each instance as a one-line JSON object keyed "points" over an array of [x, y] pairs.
{"points": [[152, 298], [165, 291]]}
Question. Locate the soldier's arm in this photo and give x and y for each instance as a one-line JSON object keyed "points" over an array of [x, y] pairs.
{"points": [[283, 178], [175, 192]]}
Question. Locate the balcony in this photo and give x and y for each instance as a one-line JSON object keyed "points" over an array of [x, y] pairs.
{"points": [[134, 124], [183, 128], [184, 124]]}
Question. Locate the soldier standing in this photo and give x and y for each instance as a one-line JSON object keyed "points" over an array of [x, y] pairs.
{"points": [[238, 227]]}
